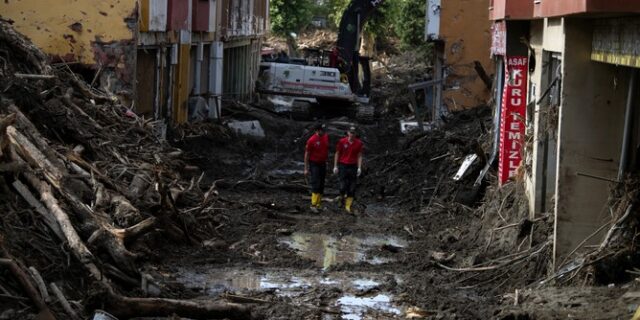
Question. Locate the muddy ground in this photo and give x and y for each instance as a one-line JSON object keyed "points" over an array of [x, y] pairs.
{"points": [[230, 221], [386, 261]]}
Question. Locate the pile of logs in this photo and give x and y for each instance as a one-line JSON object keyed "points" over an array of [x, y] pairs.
{"points": [[96, 175]]}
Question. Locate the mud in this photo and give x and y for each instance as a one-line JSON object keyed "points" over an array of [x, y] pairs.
{"points": [[419, 245]]}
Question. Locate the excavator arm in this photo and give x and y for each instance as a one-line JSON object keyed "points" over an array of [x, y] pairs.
{"points": [[351, 24]]}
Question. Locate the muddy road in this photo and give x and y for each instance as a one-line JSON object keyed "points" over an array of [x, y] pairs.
{"points": [[102, 213], [386, 261]]}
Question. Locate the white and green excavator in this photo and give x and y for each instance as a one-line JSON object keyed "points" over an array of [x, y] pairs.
{"points": [[335, 82]]}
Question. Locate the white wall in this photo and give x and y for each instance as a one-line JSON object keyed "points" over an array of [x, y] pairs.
{"points": [[590, 134]]}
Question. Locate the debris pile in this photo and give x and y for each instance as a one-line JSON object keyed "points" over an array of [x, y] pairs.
{"points": [[323, 39], [86, 187], [392, 74], [615, 259], [421, 169]]}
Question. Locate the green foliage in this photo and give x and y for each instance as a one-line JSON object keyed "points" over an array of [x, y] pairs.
{"points": [[401, 18], [380, 22], [410, 28], [290, 15], [336, 8]]}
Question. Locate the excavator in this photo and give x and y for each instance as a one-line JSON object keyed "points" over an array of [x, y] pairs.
{"points": [[339, 81]]}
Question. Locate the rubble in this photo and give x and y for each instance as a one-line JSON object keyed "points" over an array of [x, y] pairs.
{"points": [[100, 212], [106, 185]]}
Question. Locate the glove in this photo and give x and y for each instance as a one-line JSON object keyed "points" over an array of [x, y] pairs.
{"points": [[359, 172], [335, 170]]}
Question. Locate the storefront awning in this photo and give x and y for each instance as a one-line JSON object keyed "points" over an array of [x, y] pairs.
{"points": [[617, 41]]}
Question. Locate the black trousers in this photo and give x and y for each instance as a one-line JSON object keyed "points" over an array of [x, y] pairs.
{"points": [[318, 172], [348, 179]]}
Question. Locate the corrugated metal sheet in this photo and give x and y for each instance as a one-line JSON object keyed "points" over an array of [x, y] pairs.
{"points": [[157, 15], [244, 18], [179, 15], [202, 15], [617, 41], [153, 15]]}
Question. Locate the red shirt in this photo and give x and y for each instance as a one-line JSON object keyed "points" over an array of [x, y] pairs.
{"points": [[318, 147], [348, 151]]}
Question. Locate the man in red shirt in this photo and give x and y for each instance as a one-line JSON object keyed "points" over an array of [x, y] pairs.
{"points": [[316, 154], [348, 163]]}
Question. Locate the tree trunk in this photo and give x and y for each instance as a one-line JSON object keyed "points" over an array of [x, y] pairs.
{"points": [[126, 307], [367, 47], [292, 46]]}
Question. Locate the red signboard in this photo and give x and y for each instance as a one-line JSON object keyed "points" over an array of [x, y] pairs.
{"points": [[512, 119]]}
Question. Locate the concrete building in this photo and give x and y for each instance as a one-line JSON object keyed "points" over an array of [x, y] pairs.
{"points": [[567, 94], [160, 57], [461, 36]]}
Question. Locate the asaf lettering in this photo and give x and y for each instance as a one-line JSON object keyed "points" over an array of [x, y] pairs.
{"points": [[513, 113]]}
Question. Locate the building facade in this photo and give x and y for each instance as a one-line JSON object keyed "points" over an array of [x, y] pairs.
{"points": [[566, 103], [166, 59], [461, 60]]}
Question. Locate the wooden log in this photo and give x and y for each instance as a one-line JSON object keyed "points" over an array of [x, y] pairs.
{"points": [[63, 301], [126, 307], [34, 76], [25, 281], [26, 127], [18, 45], [37, 278], [78, 248], [115, 246], [32, 154], [5, 122], [49, 220], [130, 234]]}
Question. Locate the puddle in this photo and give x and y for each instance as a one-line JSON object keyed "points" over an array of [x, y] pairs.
{"points": [[327, 250], [216, 282], [355, 308], [296, 285]]}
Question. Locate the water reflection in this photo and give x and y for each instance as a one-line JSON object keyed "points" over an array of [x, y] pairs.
{"points": [[327, 250]]}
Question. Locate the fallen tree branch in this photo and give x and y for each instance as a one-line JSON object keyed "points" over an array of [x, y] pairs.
{"points": [[493, 267], [78, 248], [63, 301], [54, 175], [37, 205], [33, 76], [125, 307], [243, 299], [35, 275], [24, 280]]}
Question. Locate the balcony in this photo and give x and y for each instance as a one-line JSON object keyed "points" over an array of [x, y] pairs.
{"points": [[557, 8], [511, 9]]}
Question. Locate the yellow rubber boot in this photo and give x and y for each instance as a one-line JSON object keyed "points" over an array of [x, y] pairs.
{"points": [[318, 200], [314, 199], [347, 204]]}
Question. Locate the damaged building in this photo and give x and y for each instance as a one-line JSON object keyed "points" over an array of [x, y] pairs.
{"points": [[166, 59], [566, 101], [461, 63]]}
